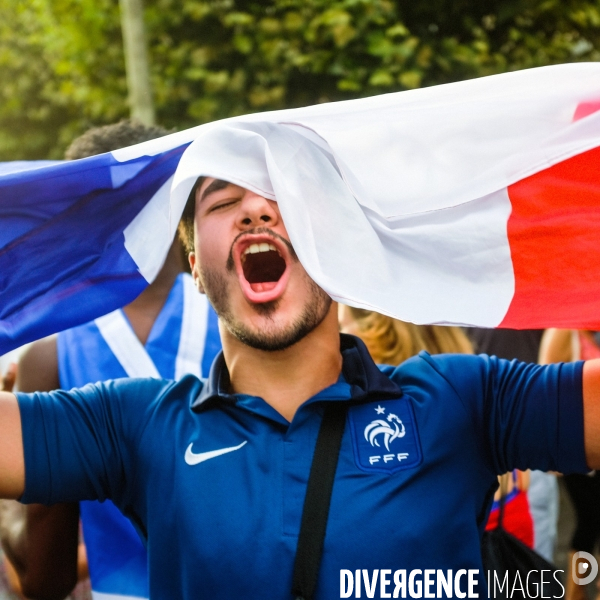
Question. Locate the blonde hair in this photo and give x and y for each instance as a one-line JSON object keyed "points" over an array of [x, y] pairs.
{"points": [[391, 342]]}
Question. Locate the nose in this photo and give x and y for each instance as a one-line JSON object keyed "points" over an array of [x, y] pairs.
{"points": [[257, 211]]}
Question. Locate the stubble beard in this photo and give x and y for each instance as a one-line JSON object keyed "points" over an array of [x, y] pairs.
{"points": [[274, 339]]}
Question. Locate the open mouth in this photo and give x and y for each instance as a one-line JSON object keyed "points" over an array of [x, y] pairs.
{"points": [[262, 263], [263, 266]]}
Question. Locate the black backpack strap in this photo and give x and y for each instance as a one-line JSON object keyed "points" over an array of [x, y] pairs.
{"points": [[317, 500]]}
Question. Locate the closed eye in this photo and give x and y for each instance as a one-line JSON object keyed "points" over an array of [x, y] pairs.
{"points": [[222, 205]]}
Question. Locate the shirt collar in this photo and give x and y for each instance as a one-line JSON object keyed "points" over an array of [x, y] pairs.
{"points": [[363, 376]]}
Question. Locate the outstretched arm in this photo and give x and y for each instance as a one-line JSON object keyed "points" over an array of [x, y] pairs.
{"points": [[41, 541], [591, 412], [12, 466]]}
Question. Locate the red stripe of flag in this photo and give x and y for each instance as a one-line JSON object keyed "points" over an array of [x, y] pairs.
{"points": [[554, 238]]}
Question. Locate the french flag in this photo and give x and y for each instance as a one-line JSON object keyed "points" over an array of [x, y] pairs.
{"points": [[473, 203]]}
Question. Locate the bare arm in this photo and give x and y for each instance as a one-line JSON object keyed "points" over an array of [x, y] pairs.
{"points": [[556, 346], [40, 541], [12, 465], [591, 412]]}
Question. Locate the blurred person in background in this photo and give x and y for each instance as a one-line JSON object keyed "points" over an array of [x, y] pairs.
{"points": [[522, 344], [391, 342], [566, 345], [167, 327]]}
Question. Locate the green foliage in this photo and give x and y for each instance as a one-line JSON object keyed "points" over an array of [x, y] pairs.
{"points": [[61, 71], [62, 68]]}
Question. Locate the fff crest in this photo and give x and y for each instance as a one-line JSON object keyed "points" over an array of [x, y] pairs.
{"points": [[384, 436]]}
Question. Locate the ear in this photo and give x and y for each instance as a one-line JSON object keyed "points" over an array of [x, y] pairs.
{"points": [[195, 272]]}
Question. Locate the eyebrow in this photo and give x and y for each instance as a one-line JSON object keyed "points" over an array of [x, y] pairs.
{"points": [[215, 186]]}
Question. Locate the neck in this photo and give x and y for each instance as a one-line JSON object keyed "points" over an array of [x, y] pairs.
{"points": [[144, 310], [287, 378]]}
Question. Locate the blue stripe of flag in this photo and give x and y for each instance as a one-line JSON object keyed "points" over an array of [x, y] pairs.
{"points": [[62, 256]]}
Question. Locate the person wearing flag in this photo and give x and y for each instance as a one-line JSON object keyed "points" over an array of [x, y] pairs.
{"points": [[206, 470]]}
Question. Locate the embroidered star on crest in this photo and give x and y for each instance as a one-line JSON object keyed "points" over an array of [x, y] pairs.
{"points": [[379, 410]]}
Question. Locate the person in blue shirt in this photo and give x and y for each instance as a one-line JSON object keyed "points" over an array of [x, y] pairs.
{"points": [[213, 473]]}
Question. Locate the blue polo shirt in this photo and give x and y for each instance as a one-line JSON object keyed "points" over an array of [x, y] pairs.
{"points": [[215, 482]]}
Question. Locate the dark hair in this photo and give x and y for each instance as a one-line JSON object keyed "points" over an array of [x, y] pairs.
{"points": [[186, 225], [112, 137]]}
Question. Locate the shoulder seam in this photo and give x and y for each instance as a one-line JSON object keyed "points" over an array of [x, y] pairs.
{"points": [[427, 358], [485, 452]]}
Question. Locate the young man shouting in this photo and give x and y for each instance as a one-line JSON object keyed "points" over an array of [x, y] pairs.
{"points": [[213, 474]]}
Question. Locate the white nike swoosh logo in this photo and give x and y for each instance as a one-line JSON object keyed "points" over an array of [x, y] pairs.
{"points": [[194, 459]]}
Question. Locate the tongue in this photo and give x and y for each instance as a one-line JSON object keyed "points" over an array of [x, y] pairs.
{"points": [[265, 286]]}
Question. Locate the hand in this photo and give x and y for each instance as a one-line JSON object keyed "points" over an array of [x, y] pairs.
{"points": [[10, 377]]}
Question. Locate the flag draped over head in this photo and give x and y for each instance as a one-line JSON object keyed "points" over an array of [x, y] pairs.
{"points": [[471, 203]]}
